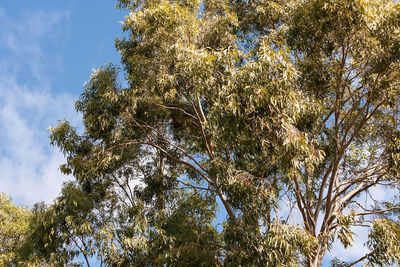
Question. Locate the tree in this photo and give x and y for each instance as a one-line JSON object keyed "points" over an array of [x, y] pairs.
{"points": [[13, 227], [60, 232], [245, 106], [14, 232]]}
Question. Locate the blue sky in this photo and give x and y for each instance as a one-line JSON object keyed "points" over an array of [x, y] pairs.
{"points": [[48, 50]]}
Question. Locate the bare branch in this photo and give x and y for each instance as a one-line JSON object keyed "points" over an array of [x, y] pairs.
{"points": [[372, 212]]}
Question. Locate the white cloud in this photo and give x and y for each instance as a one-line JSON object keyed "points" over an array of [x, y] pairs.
{"points": [[25, 38], [28, 165]]}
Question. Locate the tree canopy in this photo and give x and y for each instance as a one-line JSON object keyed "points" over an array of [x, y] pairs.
{"points": [[282, 114], [13, 226]]}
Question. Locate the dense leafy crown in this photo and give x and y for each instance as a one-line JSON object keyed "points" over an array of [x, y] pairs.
{"points": [[255, 108], [13, 226]]}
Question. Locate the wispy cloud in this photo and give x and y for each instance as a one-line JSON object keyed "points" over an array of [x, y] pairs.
{"points": [[28, 165], [26, 39]]}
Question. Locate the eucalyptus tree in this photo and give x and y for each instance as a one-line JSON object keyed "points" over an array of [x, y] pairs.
{"points": [[14, 232], [347, 54], [254, 107], [13, 228]]}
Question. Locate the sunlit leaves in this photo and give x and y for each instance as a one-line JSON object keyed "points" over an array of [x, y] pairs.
{"points": [[247, 103], [14, 223], [384, 241]]}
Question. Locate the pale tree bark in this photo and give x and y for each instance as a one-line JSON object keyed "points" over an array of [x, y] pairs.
{"points": [[316, 261]]}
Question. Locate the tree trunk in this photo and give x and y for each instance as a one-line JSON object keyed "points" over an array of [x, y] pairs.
{"points": [[316, 260]]}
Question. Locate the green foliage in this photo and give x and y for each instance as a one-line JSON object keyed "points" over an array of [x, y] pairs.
{"points": [[384, 242], [344, 233], [14, 233], [13, 229], [279, 245]]}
